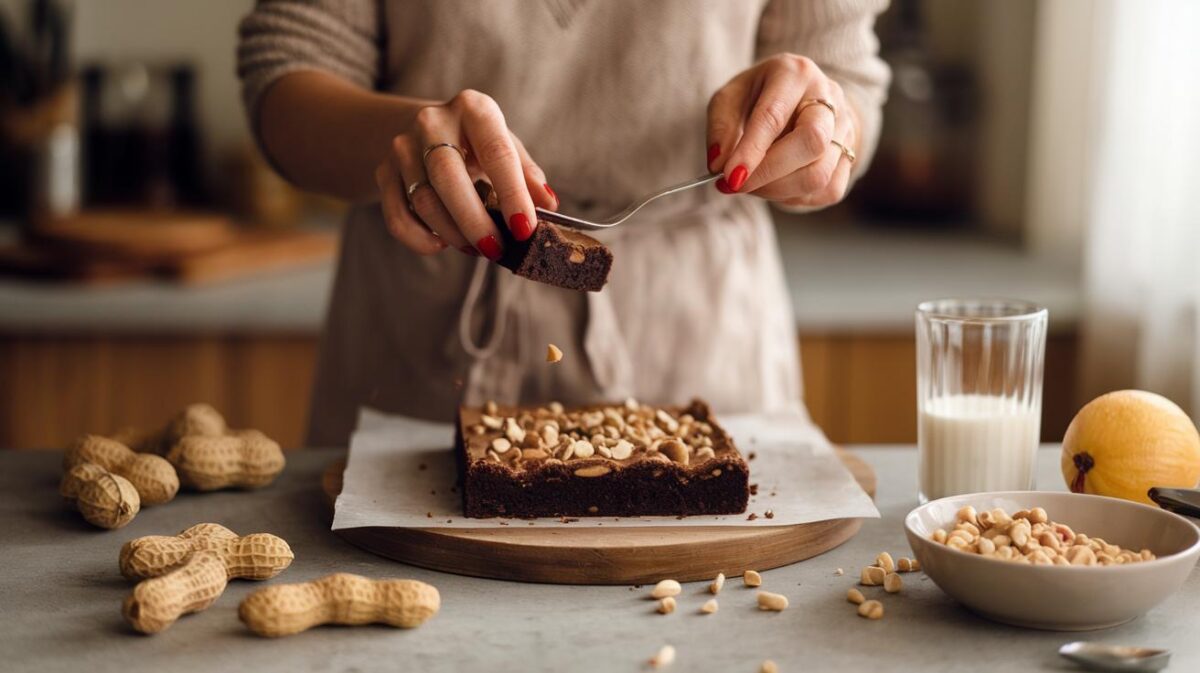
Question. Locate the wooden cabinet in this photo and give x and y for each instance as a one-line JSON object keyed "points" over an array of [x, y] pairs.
{"points": [[859, 388]]}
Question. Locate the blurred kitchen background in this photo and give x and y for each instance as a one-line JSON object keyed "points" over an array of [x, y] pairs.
{"points": [[1039, 150]]}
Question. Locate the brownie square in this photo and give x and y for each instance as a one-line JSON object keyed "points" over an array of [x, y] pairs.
{"points": [[558, 256], [605, 460]]}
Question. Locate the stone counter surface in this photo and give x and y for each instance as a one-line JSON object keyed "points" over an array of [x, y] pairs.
{"points": [[60, 597]]}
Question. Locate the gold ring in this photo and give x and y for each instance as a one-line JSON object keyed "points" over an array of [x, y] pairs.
{"points": [[846, 151], [807, 102], [437, 146]]}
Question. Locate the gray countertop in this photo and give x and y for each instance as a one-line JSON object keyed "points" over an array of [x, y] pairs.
{"points": [[840, 278], [61, 596]]}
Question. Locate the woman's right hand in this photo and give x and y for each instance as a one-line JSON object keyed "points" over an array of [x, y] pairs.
{"points": [[445, 208]]}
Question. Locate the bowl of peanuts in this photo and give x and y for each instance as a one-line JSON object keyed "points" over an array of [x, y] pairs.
{"points": [[1056, 561]]}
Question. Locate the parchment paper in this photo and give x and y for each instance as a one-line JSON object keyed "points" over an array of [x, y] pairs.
{"points": [[400, 473]]}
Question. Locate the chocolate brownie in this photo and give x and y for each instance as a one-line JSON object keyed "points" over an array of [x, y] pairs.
{"points": [[558, 256], [608, 460]]}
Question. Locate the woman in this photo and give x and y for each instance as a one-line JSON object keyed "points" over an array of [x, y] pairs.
{"points": [[607, 101]]}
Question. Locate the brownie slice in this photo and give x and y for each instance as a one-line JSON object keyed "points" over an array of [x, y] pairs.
{"points": [[607, 460], [558, 256]]}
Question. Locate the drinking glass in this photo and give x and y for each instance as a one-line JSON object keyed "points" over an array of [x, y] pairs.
{"points": [[979, 394]]}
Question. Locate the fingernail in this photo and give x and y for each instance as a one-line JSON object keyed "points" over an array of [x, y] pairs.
{"points": [[489, 247], [469, 251], [551, 192], [714, 151], [520, 227], [723, 186], [737, 178]]}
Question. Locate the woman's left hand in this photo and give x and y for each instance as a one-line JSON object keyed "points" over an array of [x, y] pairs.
{"points": [[772, 133]]}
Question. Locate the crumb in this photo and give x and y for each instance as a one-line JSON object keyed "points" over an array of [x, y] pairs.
{"points": [[449, 520], [839, 572], [428, 515], [679, 518], [770, 514], [503, 523], [567, 519], [422, 466], [752, 455], [553, 353], [752, 517], [637, 586], [753, 489], [529, 523]]}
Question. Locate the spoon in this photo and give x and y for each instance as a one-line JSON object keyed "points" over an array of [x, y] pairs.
{"points": [[1101, 657], [1184, 501]]}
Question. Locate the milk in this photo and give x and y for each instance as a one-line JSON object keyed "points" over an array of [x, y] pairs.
{"points": [[971, 443]]}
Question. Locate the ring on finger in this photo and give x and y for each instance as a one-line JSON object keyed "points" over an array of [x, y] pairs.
{"points": [[809, 102], [437, 146], [410, 190], [846, 151]]}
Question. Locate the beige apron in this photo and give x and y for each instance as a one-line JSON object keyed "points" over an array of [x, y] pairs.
{"points": [[609, 97]]}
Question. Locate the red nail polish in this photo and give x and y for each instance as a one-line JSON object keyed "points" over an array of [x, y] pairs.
{"points": [[469, 251], [551, 191], [520, 227], [723, 186], [489, 247], [737, 178], [713, 152]]}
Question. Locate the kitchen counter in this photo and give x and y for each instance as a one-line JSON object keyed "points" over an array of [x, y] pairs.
{"points": [[840, 277], [62, 595]]}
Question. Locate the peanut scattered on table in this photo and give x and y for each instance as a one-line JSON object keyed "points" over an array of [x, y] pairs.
{"points": [[665, 657], [341, 598], [872, 576], [156, 603], [768, 666], [710, 606], [258, 556], [666, 588], [717, 583], [104, 499], [751, 578], [553, 353], [666, 605], [855, 596], [1029, 536], [152, 476], [195, 419], [242, 459], [771, 601], [871, 610], [892, 583], [908, 565]]}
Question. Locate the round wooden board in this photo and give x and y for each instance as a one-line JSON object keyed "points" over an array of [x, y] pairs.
{"points": [[615, 556]]}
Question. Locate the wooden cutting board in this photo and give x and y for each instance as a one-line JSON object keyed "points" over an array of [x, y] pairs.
{"points": [[594, 556]]}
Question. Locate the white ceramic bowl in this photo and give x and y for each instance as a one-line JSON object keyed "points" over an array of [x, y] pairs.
{"points": [[1060, 598]]}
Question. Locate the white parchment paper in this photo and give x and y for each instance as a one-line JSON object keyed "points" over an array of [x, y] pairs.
{"points": [[400, 473]]}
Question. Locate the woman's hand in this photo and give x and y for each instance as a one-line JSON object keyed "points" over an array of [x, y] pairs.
{"points": [[772, 135], [445, 208]]}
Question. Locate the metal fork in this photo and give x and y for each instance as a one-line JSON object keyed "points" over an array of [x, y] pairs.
{"points": [[590, 225]]}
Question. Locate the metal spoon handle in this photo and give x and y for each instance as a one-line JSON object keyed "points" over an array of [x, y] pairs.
{"points": [[1184, 501]]}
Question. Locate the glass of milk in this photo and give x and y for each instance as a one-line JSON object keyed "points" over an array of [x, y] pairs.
{"points": [[979, 394]]}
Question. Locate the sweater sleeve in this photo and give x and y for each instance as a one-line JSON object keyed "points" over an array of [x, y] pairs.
{"points": [[342, 37], [839, 36]]}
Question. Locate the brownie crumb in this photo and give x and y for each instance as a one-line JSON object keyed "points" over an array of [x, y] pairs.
{"points": [[753, 489], [428, 515], [567, 519], [751, 517], [770, 514], [752, 455]]}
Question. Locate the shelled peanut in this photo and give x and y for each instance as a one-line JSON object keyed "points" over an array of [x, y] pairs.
{"points": [[1029, 536], [341, 598], [187, 572], [152, 476], [104, 499]]}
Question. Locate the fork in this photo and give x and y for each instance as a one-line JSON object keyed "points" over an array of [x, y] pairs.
{"points": [[591, 225]]}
